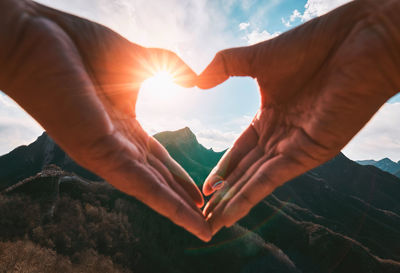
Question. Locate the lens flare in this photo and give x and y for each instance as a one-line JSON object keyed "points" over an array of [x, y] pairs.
{"points": [[160, 87]]}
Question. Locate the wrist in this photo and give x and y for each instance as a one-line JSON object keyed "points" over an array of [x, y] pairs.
{"points": [[13, 15], [388, 19]]}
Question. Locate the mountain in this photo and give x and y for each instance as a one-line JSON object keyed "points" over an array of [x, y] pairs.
{"points": [[26, 161], [384, 164], [187, 151], [340, 217]]}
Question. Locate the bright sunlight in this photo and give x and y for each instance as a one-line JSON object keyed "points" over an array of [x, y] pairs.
{"points": [[161, 100], [160, 87]]}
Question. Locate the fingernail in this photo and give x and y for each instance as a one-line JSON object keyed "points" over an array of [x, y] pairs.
{"points": [[218, 185]]}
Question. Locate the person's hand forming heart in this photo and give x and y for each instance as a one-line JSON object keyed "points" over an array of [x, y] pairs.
{"points": [[80, 81], [320, 84]]}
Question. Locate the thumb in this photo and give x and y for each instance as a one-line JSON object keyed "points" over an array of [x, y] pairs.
{"points": [[229, 62]]}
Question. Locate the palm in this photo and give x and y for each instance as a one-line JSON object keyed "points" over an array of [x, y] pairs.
{"points": [[80, 81], [315, 96]]}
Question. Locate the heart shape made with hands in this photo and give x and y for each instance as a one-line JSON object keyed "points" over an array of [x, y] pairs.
{"points": [[317, 91]]}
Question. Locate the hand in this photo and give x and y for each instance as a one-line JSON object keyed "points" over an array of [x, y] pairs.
{"points": [[80, 81], [320, 84]]}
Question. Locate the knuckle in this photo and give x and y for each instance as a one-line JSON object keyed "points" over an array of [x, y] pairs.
{"points": [[179, 211], [263, 180], [246, 200]]}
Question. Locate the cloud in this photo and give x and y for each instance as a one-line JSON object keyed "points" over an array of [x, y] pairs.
{"points": [[313, 8], [295, 15], [379, 138], [178, 25], [244, 25], [217, 137], [256, 36], [16, 127]]}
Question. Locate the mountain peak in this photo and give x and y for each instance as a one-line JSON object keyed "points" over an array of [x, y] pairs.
{"points": [[184, 135], [386, 160], [385, 164]]}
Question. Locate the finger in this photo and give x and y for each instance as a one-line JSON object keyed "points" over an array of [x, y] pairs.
{"points": [[252, 157], [179, 174], [120, 162], [217, 220], [242, 146], [139, 179], [229, 62], [269, 176], [165, 60], [164, 175]]}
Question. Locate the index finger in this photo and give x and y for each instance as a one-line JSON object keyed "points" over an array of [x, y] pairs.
{"points": [[226, 63]]}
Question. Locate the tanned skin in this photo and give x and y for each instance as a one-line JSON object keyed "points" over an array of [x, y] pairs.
{"points": [[320, 83], [80, 81]]}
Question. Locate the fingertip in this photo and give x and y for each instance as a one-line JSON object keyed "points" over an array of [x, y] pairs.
{"points": [[207, 190], [200, 203], [206, 237], [208, 82], [213, 183], [214, 74], [186, 77], [206, 212]]}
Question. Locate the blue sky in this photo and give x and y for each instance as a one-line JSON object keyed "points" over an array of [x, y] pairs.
{"points": [[196, 30]]}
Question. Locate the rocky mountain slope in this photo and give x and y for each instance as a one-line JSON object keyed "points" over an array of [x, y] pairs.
{"points": [[340, 217]]}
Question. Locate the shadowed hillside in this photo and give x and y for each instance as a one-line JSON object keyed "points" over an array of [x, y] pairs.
{"points": [[340, 217], [26, 161]]}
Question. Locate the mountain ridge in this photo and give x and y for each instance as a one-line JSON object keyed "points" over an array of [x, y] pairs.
{"points": [[339, 217], [385, 164]]}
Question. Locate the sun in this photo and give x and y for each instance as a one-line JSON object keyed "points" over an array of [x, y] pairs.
{"points": [[160, 80], [161, 86]]}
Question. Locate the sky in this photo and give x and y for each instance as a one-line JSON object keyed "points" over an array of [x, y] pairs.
{"points": [[196, 30]]}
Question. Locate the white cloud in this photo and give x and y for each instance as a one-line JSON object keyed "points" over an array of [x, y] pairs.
{"points": [[313, 8], [217, 137], [244, 25], [16, 127], [178, 25], [285, 22], [295, 15], [379, 138], [257, 36], [316, 8]]}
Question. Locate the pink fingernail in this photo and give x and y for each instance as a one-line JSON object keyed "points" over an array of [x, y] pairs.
{"points": [[218, 185]]}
